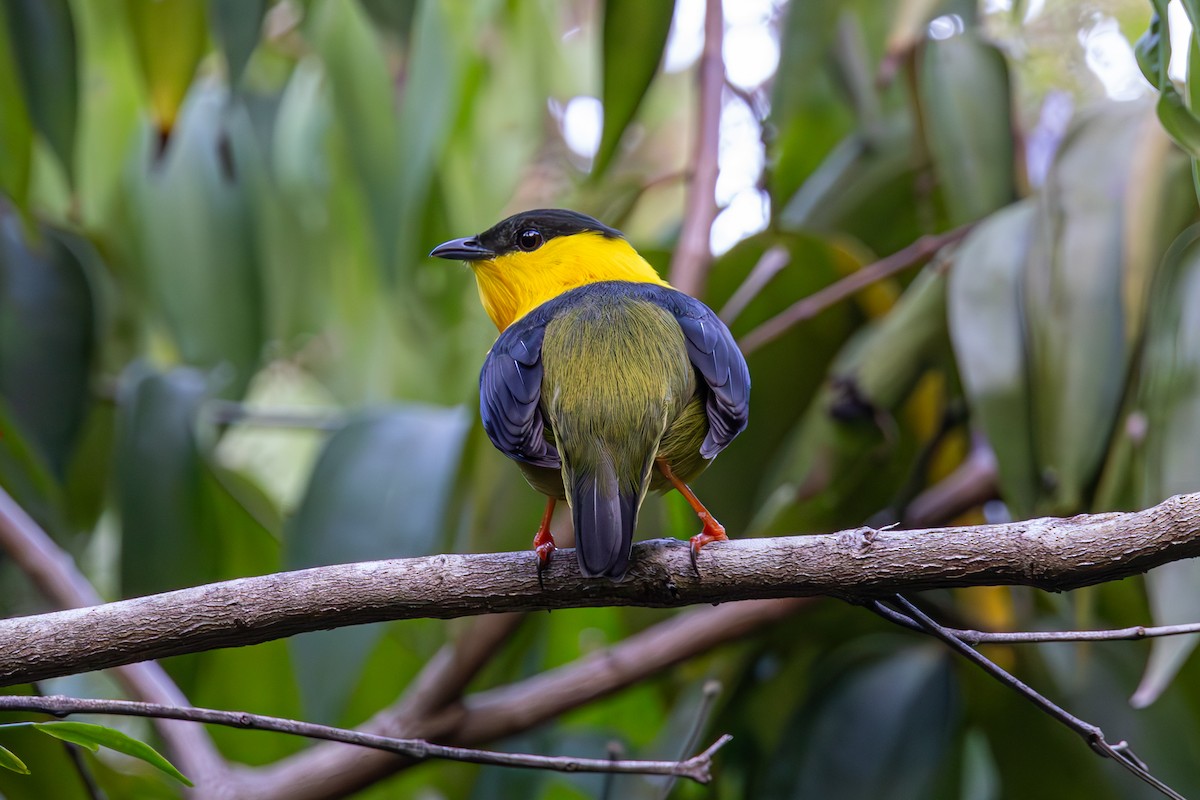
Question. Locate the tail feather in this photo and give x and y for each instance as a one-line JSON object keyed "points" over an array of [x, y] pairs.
{"points": [[604, 518]]}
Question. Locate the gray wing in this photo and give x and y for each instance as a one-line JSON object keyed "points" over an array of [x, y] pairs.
{"points": [[716, 356], [510, 389]]}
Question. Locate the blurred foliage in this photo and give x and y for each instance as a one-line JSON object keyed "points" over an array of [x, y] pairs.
{"points": [[223, 351]]}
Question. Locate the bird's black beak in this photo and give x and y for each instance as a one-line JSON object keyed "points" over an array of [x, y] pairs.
{"points": [[468, 249]]}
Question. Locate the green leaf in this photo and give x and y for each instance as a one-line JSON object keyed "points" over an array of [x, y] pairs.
{"points": [[986, 328], [1169, 396], [237, 25], [93, 737], [9, 760], [1153, 48], [380, 489], [634, 36], [1178, 120], [47, 334], [1077, 299], [26, 476], [966, 107], [195, 237], [16, 129], [881, 731], [364, 99], [158, 481], [42, 35], [169, 39]]}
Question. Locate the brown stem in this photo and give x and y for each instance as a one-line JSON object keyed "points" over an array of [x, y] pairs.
{"points": [[689, 266], [916, 253]]}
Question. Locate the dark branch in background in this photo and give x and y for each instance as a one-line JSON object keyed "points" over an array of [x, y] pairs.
{"points": [[1091, 734], [335, 770], [55, 575], [697, 768], [1052, 554], [689, 265], [228, 412], [806, 308]]}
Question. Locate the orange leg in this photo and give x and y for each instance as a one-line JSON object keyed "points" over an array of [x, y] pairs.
{"points": [[543, 540], [712, 531]]}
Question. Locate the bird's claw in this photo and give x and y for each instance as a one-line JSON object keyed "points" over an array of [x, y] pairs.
{"points": [[543, 547], [713, 531]]}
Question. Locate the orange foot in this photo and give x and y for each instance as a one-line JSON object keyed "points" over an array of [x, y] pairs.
{"points": [[712, 531], [543, 540]]}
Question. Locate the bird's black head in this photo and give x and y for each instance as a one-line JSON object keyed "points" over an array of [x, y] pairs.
{"points": [[523, 232]]}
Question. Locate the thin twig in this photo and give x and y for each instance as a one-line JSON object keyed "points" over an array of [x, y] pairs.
{"points": [[1120, 752], [916, 253], [228, 412], [708, 699], [54, 573], [689, 265], [974, 637], [767, 267], [697, 768]]}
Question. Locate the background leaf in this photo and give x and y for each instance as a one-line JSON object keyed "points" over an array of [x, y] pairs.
{"points": [[634, 35], [42, 34]]}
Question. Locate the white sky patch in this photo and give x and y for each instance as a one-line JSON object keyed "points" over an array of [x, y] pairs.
{"points": [[1109, 56], [582, 122], [945, 26], [747, 214], [740, 152], [751, 55], [686, 39], [1181, 33]]}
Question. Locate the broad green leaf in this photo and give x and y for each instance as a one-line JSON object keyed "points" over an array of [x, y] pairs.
{"points": [[966, 109], [1169, 395], [85, 734], [195, 238], [881, 731], [634, 34], [26, 476], [237, 25], [1153, 49], [169, 39], [158, 482], [1178, 120], [985, 315], [380, 489], [363, 97], [16, 129], [9, 760], [47, 331], [42, 34], [1074, 294]]}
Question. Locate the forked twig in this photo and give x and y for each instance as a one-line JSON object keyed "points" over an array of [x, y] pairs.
{"points": [[1119, 752]]}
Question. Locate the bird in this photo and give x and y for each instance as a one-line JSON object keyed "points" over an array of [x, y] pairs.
{"points": [[604, 383]]}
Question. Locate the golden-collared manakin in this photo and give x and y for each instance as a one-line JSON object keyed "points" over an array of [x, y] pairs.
{"points": [[605, 382]]}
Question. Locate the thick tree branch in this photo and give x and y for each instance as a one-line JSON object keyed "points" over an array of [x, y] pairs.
{"points": [[697, 768], [1052, 554]]}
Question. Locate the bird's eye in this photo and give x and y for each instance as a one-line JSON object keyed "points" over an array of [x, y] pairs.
{"points": [[529, 239]]}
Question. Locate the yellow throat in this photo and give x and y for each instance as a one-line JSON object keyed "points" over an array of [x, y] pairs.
{"points": [[513, 284]]}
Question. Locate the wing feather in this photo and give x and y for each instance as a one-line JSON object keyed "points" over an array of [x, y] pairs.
{"points": [[510, 389]]}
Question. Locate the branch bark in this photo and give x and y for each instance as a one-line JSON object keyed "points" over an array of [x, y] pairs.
{"points": [[1051, 554]]}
